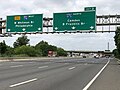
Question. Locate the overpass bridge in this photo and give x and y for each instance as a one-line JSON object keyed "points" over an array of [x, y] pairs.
{"points": [[78, 53]]}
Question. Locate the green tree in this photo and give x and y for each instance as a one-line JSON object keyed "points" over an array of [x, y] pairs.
{"points": [[117, 42], [61, 52], [3, 47], [23, 40], [52, 48], [116, 53], [44, 47], [25, 50], [10, 51]]}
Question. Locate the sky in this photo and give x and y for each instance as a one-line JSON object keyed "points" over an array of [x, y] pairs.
{"points": [[78, 41]]}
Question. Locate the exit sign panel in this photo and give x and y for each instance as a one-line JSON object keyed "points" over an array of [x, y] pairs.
{"points": [[74, 21], [25, 23]]}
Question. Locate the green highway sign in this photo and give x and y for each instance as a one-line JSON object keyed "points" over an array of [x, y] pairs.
{"points": [[25, 23], [72, 21], [90, 9]]}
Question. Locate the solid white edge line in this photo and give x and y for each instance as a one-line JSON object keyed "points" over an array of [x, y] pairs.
{"points": [[43, 67], [96, 76], [21, 83], [71, 68], [17, 66]]}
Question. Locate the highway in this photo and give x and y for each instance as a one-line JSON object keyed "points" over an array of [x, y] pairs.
{"points": [[64, 74]]}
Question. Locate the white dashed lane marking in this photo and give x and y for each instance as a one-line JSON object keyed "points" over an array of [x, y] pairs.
{"points": [[16, 66], [71, 68], [43, 67], [21, 83]]}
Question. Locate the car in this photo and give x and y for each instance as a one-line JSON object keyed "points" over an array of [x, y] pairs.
{"points": [[96, 56], [84, 56]]}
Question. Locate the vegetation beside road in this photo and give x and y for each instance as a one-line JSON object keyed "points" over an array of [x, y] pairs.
{"points": [[117, 43], [22, 48]]}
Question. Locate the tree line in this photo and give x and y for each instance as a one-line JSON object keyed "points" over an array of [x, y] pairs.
{"points": [[21, 47], [116, 51]]}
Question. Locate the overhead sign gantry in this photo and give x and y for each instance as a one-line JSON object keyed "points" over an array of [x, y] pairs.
{"points": [[65, 22]]}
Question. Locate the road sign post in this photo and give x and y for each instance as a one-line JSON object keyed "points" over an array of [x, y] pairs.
{"points": [[25, 23], [72, 21]]}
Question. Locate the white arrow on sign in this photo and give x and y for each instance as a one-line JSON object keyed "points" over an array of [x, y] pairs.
{"points": [[8, 29], [39, 28], [23, 29], [73, 27], [56, 28], [91, 27], [15, 22]]}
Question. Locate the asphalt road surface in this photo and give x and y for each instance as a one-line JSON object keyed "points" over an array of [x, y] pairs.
{"points": [[68, 74]]}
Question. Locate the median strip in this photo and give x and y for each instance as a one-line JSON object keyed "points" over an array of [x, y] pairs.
{"points": [[21, 83]]}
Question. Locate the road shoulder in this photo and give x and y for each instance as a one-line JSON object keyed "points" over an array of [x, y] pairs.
{"points": [[109, 79]]}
